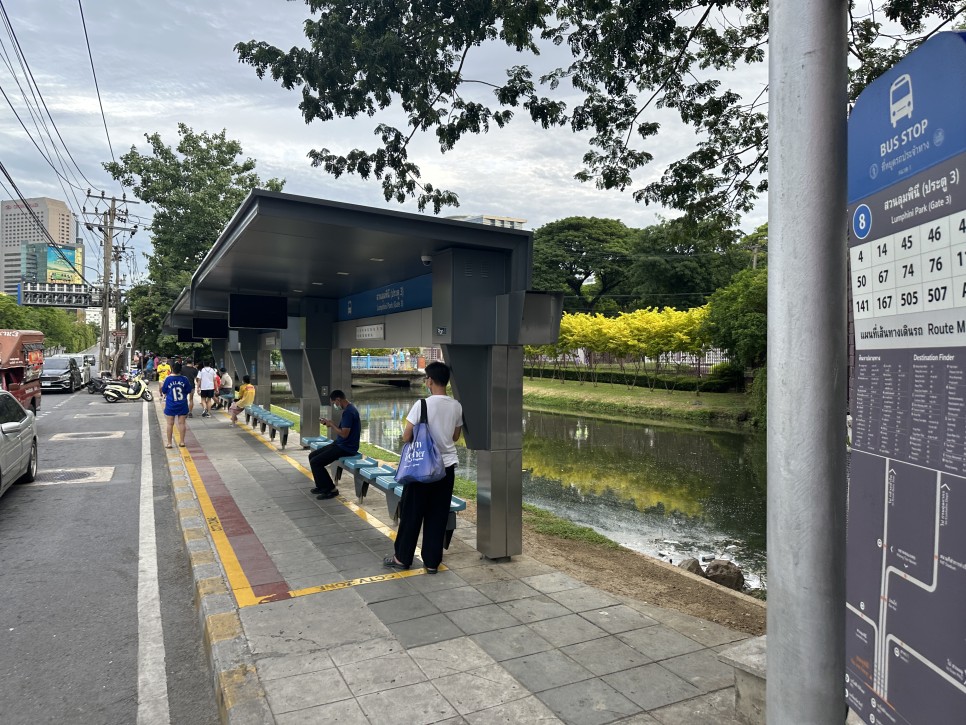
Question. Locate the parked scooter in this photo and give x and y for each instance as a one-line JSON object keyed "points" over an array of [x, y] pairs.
{"points": [[134, 389], [99, 384]]}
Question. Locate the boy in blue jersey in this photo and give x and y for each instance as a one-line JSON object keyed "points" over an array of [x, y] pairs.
{"points": [[176, 390]]}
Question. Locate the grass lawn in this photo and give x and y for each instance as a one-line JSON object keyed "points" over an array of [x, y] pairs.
{"points": [[618, 402]]}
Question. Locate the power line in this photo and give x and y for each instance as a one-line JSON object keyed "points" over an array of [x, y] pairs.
{"points": [[26, 66], [51, 242], [94, 73]]}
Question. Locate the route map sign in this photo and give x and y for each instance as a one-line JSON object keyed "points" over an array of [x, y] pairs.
{"points": [[906, 551]]}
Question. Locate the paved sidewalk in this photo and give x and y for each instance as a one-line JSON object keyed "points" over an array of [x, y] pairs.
{"points": [[306, 626]]}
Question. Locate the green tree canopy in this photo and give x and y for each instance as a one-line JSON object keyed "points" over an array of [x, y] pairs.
{"points": [[585, 257], [627, 59], [737, 318], [193, 190], [679, 262], [60, 328]]}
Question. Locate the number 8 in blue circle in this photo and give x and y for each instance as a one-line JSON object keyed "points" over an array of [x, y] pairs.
{"points": [[862, 221]]}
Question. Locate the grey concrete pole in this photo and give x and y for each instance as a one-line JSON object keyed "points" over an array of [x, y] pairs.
{"points": [[806, 362]]}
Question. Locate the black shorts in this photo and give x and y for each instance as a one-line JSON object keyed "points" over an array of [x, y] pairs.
{"points": [[207, 393]]}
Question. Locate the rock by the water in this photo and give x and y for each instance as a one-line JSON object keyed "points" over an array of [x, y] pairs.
{"points": [[693, 566], [725, 573]]}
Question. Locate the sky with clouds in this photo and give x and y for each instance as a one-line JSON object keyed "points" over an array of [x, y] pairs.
{"points": [[161, 62]]}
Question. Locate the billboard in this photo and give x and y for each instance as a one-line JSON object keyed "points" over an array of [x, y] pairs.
{"points": [[59, 263]]}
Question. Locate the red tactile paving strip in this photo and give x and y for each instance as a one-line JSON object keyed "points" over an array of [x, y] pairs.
{"points": [[258, 567]]}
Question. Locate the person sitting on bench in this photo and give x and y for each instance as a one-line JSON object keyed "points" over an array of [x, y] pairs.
{"points": [[346, 443]]}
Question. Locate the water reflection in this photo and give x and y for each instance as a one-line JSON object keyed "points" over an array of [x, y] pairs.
{"points": [[667, 492]]}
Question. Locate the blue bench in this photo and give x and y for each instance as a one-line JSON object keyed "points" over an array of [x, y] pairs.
{"points": [[307, 441], [265, 419], [386, 482], [227, 399]]}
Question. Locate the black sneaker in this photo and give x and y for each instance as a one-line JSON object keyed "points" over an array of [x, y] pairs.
{"points": [[390, 563], [331, 494], [317, 490], [205, 415]]}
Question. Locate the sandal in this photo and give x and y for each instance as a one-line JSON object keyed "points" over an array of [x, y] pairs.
{"points": [[169, 446], [391, 563]]}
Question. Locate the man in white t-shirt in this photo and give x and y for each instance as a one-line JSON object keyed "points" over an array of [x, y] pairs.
{"points": [[206, 387], [426, 505]]}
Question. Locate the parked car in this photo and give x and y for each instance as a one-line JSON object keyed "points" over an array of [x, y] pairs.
{"points": [[90, 360], [18, 443], [61, 372]]}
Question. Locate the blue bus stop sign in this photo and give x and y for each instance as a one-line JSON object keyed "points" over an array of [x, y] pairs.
{"points": [[906, 551]]}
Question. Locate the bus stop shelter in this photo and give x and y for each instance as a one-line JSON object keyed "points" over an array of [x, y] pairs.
{"points": [[315, 279]]}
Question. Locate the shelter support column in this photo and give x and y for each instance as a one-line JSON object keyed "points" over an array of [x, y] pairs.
{"points": [[219, 353], [806, 361], [325, 367], [487, 381], [263, 368], [300, 376], [237, 366]]}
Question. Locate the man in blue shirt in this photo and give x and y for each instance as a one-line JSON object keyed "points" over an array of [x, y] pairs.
{"points": [[346, 443]]}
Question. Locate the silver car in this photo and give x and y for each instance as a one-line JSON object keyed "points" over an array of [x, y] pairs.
{"points": [[18, 443]]}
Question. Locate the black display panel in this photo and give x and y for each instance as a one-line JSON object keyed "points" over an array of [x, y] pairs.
{"points": [[257, 312], [184, 335], [210, 328]]}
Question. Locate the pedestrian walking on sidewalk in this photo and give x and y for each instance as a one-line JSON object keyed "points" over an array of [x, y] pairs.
{"points": [[206, 387], [244, 396], [164, 370], [426, 505], [191, 372], [346, 443], [175, 389]]}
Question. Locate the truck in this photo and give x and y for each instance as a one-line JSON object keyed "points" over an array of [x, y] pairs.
{"points": [[21, 364]]}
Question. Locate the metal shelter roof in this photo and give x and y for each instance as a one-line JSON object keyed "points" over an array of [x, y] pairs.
{"points": [[301, 247]]}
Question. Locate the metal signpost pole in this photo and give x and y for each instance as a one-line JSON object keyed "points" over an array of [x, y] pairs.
{"points": [[806, 361]]}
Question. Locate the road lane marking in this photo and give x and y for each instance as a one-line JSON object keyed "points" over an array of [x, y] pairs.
{"points": [[152, 676], [94, 435], [102, 415]]}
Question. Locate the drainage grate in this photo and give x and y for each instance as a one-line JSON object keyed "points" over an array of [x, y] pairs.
{"points": [[55, 476]]}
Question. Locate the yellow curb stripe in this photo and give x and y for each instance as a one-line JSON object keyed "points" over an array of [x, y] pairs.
{"points": [[211, 585], [220, 627], [233, 569]]}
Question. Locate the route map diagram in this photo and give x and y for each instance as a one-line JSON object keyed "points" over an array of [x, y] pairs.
{"points": [[905, 636]]}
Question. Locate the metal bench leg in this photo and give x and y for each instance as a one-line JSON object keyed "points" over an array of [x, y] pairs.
{"points": [[450, 528], [283, 437]]}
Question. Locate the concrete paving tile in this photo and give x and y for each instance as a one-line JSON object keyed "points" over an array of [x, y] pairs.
{"points": [[417, 704], [570, 629], [642, 718], [593, 703], [362, 651], [505, 644], [480, 689], [659, 642], [446, 600], [450, 657], [533, 609], [523, 566], [651, 686], [481, 619], [425, 630], [348, 548], [618, 618], [583, 598], [354, 562], [458, 720], [305, 569], [307, 690], [717, 708], [504, 591], [433, 583], [381, 673], [332, 539], [398, 610], [546, 670], [309, 623], [279, 666], [551, 583], [345, 712], [529, 710], [297, 544], [462, 560], [606, 655], [483, 574], [384, 591], [707, 633], [702, 669], [307, 581]]}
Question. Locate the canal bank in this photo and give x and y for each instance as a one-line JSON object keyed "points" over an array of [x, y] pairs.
{"points": [[664, 492]]}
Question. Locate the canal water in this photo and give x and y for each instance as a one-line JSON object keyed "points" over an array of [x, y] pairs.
{"points": [[665, 491]]}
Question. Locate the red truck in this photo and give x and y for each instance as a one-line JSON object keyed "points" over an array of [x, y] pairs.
{"points": [[21, 363]]}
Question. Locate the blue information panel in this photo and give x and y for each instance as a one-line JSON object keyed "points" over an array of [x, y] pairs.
{"points": [[410, 294], [906, 553]]}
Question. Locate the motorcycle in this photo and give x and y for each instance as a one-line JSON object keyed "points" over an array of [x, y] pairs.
{"points": [[134, 389], [98, 385]]}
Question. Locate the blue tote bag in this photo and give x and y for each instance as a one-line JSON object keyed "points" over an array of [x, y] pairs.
{"points": [[421, 461]]}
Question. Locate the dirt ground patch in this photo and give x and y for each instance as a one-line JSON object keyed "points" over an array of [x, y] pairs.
{"points": [[627, 573]]}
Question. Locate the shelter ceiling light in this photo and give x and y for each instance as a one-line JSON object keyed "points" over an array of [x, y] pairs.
{"points": [[317, 284], [376, 259], [342, 274]]}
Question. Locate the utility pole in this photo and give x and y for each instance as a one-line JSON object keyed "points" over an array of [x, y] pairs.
{"points": [[107, 223]]}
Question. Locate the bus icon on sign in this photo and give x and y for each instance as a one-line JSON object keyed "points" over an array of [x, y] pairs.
{"points": [[900, 98]]}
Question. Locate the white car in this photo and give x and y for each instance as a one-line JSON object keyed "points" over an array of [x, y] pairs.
{"points": [[18, 443]]}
